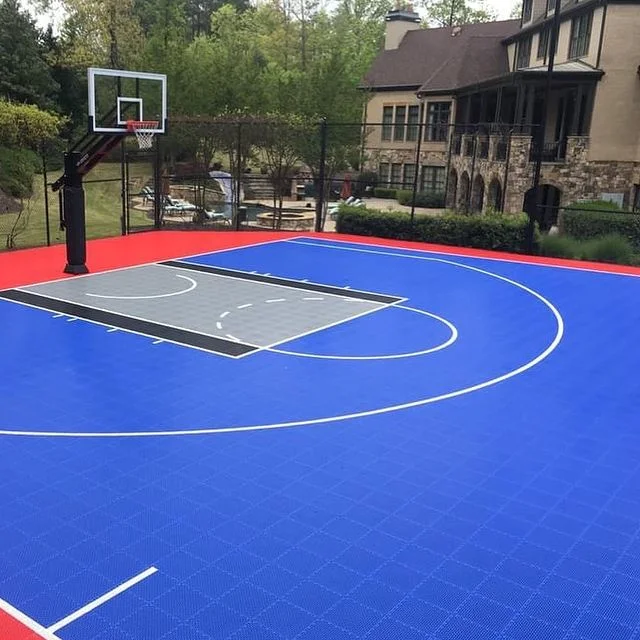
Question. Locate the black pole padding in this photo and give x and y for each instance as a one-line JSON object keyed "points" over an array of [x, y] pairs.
{"points": [[74, 216]]}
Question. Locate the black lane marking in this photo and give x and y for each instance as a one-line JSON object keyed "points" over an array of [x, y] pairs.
{"points": [[295, 284], [146, 327]]}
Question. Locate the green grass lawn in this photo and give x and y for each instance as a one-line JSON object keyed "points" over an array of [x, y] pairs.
{"points": [[103, 207]]}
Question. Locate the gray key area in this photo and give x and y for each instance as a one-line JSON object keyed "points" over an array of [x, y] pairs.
{"points": [[251, 312]]}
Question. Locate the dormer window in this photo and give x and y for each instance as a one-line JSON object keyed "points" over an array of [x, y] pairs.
{"points": [[551, 5], [527, 8], [580, 35]]}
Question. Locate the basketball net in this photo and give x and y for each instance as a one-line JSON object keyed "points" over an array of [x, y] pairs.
{"points": [[144, 130]]}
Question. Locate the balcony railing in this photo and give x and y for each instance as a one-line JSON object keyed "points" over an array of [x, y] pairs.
{"points": [[551, 151]]}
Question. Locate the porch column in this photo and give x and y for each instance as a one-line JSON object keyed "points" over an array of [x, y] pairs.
{"points": [[531, 96], [519, 116], [577, 108], [497, 116]]}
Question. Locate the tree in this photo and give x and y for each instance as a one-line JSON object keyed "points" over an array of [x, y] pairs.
{"points": [[449, 13], [516, 10], [25, 76], [26, 126]]}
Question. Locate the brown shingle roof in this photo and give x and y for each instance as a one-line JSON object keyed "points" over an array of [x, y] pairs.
{"points": [[434, 60]]}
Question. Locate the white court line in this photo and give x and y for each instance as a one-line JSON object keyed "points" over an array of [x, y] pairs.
{"points": [[324, 420], [191, 287], [225, 314], [157, 342], [155, 262], [112, 329], [234, 338], [71, 319], [140, 333], [276, 300], [25, 620], [453, 254], [101, 600], [392, 356], [280, 285], [58, 315], [219, 325], [245, 306], [317, 298]]}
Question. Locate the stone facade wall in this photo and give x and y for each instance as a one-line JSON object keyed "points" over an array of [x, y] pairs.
{"points": [[576, 177]]}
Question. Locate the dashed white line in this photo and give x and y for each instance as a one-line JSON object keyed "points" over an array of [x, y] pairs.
{"points": [[157, 341], [246, 306], [71, 319], [225, 314], [232, 338], [218, 325], [58, 315], [313, 298], [112, 329], [276, 300]]}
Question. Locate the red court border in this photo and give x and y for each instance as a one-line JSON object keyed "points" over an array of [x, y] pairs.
{"points": [[28, 266], [11, 628]]}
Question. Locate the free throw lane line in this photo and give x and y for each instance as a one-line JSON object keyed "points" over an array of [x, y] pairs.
{"points": [[101, 600]]}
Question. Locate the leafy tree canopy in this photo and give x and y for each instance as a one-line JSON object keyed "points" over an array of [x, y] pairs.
{"points": [[449, 13]]}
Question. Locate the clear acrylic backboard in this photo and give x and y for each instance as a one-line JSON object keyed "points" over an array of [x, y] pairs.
{"points": [[117, 97]]}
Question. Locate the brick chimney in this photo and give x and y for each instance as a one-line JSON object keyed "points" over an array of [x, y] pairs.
{"points": [[398, 22]]}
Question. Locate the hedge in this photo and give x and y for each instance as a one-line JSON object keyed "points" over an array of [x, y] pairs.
{"points": [[422, 199], [497, 232], [580, 221], [382, 192], [611, 248]]}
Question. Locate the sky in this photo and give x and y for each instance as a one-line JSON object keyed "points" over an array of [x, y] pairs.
{"points": [[501, 7]]}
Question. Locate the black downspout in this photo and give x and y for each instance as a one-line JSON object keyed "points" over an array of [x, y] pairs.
{"points": [[604, 19]]}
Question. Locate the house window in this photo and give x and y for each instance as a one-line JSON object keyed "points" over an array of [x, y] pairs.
{"points": [[551, 5], [396, 176], [544, 40], [432, 179], [636, 197], [524, 53], [387, 120], [383, 173], [398, 129], [409, 176], [580, 35], [527, 7], [413, 119], [438, 116]]}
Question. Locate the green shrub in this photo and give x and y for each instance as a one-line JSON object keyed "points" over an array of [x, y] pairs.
{"points": [[422, 199], [498, 232], [383, 192], [560, 247], [583, 223], [610, 248], [17, 170]]}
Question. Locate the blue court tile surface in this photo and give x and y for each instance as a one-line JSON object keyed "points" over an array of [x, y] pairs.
{"points": [[485, 489]]}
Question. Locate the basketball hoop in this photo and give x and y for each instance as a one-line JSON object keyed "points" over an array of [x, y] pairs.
{"points": [[144, 130]]}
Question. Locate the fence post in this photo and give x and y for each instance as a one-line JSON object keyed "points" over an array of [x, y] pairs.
{"points": [[236, 205], [321, 175], [123, 204], [46, 196], [158, 191], [417, 161], [127, 199], [452, 134]]}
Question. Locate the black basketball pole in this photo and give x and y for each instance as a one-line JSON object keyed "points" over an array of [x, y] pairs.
{"points": [[74, 216]]}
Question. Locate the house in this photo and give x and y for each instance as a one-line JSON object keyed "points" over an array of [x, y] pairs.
{"points": [[463, 106]]}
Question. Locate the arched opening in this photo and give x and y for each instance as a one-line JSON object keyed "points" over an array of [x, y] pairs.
{"points": [[547, 214], [477, 194], [463, 192], [452, 189], [495, 195]]}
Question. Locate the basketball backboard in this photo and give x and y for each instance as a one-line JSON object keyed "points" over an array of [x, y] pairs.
{"points": [[117, 97]]}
